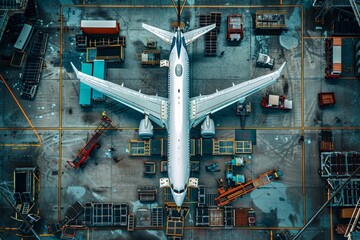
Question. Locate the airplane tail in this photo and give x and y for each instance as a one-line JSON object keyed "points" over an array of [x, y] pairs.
{"points": [[167, 36]]}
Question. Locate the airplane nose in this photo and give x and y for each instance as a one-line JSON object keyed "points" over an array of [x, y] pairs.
{"points": [[179, 199]]}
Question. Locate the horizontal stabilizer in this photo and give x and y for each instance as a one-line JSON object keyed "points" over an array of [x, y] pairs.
{"points": [[196, 33], [166, 36]]}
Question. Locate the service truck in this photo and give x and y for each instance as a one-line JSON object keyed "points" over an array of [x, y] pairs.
{"points": [[277, 102]]}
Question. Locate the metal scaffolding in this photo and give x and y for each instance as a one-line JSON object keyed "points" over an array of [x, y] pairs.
{"points": [[354, 222], [324, 6], [349, 194], [339, 164]]}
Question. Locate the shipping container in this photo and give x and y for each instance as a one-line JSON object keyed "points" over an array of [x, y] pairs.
{"points": [[100, 26], [345, 212], [99, 72], [85, 90]]}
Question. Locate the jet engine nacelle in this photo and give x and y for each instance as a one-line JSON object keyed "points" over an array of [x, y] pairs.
{"points": [[208, 128], [146, 129]]}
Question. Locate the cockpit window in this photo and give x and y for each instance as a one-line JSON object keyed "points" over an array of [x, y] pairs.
{"points": [[178, 191], [178, 70]]}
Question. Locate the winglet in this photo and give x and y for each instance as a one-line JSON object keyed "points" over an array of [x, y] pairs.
{"points": [[75, 70], [281, 69]]}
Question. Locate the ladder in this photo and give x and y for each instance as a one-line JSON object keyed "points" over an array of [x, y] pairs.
{"points": [[353, 221]]}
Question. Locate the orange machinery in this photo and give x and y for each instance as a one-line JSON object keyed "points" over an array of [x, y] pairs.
{"points": [[85, 152], [231, 194]]}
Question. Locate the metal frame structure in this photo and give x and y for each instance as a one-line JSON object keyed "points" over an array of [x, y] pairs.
{"points": [[349, 194], [339, 164]]}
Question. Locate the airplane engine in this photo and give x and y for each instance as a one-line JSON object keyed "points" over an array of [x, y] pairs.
{"points": [[208, 128], [146, 129]]}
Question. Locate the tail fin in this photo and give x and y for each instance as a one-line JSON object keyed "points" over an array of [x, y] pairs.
{"points": [[75, 70], [195, 34]]}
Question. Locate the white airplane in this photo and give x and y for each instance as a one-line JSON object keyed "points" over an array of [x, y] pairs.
{"points": [[178, 113]]}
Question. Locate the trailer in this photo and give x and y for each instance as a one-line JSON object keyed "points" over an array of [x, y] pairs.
{"points": [[226, 196], [276, 102], [270, 19], [234, 27], [109, 54], [326, 141], [100, 26], [333, 57], [91, 145], [326, 99], [150, 57]]}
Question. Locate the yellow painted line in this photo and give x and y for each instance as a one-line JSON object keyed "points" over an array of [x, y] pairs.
{"points": [[323, 37], [171, 6], [19, 148], [306, 128], [19, 145], [68, 129], [60, 115], [303, 117], [22, 110], [8, 229]]}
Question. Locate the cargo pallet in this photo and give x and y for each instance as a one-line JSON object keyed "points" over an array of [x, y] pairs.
{"points": [[157, 217], [147, 193], [230, 147]]}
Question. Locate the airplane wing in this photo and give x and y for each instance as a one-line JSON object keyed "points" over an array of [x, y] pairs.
{"points": [[166, 36], [194, 34], [153, 106], [208, 104]]}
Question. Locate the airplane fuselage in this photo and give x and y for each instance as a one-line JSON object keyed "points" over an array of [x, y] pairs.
{"points": [[179, 126]]}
